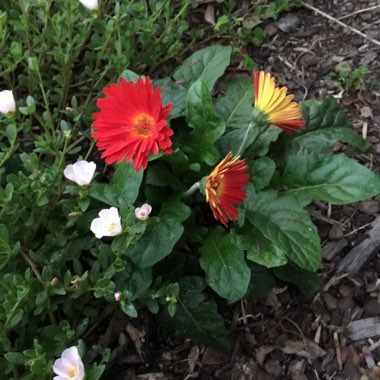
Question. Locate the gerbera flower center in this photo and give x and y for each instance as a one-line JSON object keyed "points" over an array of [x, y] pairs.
{"points": [[73, 371], [145, 124]]}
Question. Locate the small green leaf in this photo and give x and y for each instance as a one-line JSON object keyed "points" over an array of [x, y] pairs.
{"points": [[196, 318], [261, 145], [207, 64], [123, 190], [158, 240], [262, 282], [235, 107], [284, 223], [261, 172], [11, 132], [226, 270], [130, 75], [337, 179], [207, 126]]}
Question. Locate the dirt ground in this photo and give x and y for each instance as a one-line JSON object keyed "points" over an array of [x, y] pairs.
{"points": [[288, 336]]}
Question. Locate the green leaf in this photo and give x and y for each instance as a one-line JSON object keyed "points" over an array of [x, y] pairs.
{"points": [[94, 371], [207, 64], [174, 93], [283, 222], [235, 107], [259, 249], [207, 126], [130, 75], [337, 179], [307, 282], [226, 270], [123, 190], [325, 124], [260, 146], [158, 240], [261, 172], [262, 282], [196, 318]]}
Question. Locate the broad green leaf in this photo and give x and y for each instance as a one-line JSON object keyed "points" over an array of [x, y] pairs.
{"points": [[337, 179], [207, 126], [196, 318], [123, 190], [283, 222], [261, 172], [259, 249], [325, 124], [262, 282], [174, 93], [226, 270], [207, 64], [260, 146], [159, 174], [235, 107], [158, 240], [130, 75], [307, 282]]}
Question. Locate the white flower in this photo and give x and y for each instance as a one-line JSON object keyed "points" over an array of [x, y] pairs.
{"points": [[7, 102], [82, 172], [108, 223], [117, 296], [69, 366], [142, 213], [90, 4]]}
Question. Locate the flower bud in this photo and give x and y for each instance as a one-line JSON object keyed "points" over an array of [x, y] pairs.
{"points": [[142, 213], [117, 296], [7, 102], [92, 5], [82, 172]]}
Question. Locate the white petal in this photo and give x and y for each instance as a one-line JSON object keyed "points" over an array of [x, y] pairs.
{"points": [[69, 173], [62, 367], [147, 207], [71, 354], [60, 378], [90, 4], [97, 227], [7, 102]]}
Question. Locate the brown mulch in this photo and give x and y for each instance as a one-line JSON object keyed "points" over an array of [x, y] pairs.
{"points": [[288, 336]]}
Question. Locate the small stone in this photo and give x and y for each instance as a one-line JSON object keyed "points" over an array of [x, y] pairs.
{"points": [[288, 23], [274, 368], [271, 29], [369, 207]]}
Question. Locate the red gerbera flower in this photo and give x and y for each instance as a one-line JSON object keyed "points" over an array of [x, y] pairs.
{"points": [[132, 123], [224, 188], [273, 102]]}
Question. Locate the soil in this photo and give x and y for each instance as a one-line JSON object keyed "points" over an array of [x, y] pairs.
{"points": [[288, 336]]}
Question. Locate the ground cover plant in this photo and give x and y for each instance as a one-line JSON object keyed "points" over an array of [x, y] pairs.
{"points": [[203, 196]]}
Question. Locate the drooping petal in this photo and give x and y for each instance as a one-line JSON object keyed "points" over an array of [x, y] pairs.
{"points": [[224, 188], [131, 123], [273, 102]]}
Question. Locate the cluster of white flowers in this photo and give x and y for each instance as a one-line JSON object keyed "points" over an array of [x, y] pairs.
{"points": [[7, 102], [69, 366]]}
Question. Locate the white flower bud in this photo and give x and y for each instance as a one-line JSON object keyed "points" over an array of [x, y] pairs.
{"points": [[69, 366], [142, 213], [82, 172], [92, 5], [7, 102], [117, 296], [108, 223]]}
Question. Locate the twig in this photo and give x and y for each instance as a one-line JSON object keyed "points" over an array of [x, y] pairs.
{"points": [[376, 42], [31, 264], [338, 351], [359, 11]]}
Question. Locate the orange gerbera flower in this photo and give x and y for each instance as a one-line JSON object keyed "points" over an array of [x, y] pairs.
{"points": [[224, 188], [273, 102], [132, 123]]}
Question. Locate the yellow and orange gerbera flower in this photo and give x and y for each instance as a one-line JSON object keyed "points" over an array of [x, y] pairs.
{"points": [[273, 102], [224, 188]]}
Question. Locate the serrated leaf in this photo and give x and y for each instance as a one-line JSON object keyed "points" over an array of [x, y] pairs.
{"points": [[123, 190], [261, 172], [235, 107], [325, 124], [207, 64], [207, 126], [307, 282], [259, 249], [195, 318], [337, 179], [260, 146], [158, 240], [283, 222], [226, 270]]}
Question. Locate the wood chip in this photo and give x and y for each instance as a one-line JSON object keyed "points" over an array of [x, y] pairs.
{"points": [[364, 328]]}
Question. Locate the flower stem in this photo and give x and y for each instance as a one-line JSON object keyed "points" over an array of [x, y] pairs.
{"points": [[191, 191], [245, 139]]}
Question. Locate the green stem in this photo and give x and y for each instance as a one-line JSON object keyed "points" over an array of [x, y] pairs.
{"points": [[192, 190], [245, 139]]}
